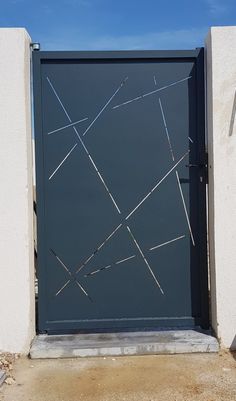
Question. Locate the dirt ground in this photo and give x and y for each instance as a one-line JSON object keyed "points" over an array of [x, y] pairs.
{"points": [[198, 377]]}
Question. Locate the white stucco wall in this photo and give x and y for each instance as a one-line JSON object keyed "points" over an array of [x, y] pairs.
{"points": [[17, 305], [221, 92], [16, 228]]}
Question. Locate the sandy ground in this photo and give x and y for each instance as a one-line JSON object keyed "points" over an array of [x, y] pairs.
{"points": [[195, 377]]}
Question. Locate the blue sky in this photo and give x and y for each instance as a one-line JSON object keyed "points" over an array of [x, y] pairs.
{"points": [[117, 24]]}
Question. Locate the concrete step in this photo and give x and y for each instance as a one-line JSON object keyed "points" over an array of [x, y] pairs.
{"points": [[117, 344]]}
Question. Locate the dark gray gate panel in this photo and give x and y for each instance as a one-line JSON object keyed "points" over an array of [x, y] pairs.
{"points": [[120, 190]]}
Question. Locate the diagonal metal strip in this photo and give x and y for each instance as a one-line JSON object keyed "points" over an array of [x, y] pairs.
{"points": [[150, 93], [157, 185], [166, 243], [67, 126], [98, 248], [70, 280], [130, 214], [176, 172], [145, 259], [140, 203], [185, 208], [109, 266], [62, 162], [85, 148], [60, 261], [62, 288], [104, 107], [166, 129], [83, 290]]}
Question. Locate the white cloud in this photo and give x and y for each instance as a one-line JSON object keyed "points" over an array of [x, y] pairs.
{"points": [[156, 40], [82, 3], [14, 2], [182, 39], [216, 7]]}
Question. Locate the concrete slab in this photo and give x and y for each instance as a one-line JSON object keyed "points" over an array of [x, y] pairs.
{"points": [[2, 376], [117, 344]]}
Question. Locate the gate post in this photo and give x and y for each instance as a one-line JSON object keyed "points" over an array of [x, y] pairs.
{"points": [[17, 305], [221, 127]]}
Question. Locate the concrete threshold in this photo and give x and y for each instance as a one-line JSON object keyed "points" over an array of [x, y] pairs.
{"points": [[118, 344]]}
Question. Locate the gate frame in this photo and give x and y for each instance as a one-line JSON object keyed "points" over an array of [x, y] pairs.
{"points": [[198, 55]]}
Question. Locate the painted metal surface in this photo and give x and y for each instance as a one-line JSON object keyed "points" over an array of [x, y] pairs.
{"points": [[121, 210]]}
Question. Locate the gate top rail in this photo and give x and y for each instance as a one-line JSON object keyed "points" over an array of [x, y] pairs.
{"points": [[117, 54]]}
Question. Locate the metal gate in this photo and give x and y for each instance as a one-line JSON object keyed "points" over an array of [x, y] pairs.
{"points": [[121, 179]]}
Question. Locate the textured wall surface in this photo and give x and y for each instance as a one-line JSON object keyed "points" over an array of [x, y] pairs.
{"points": [[221, 121], [17, 319], [16, 234]]}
